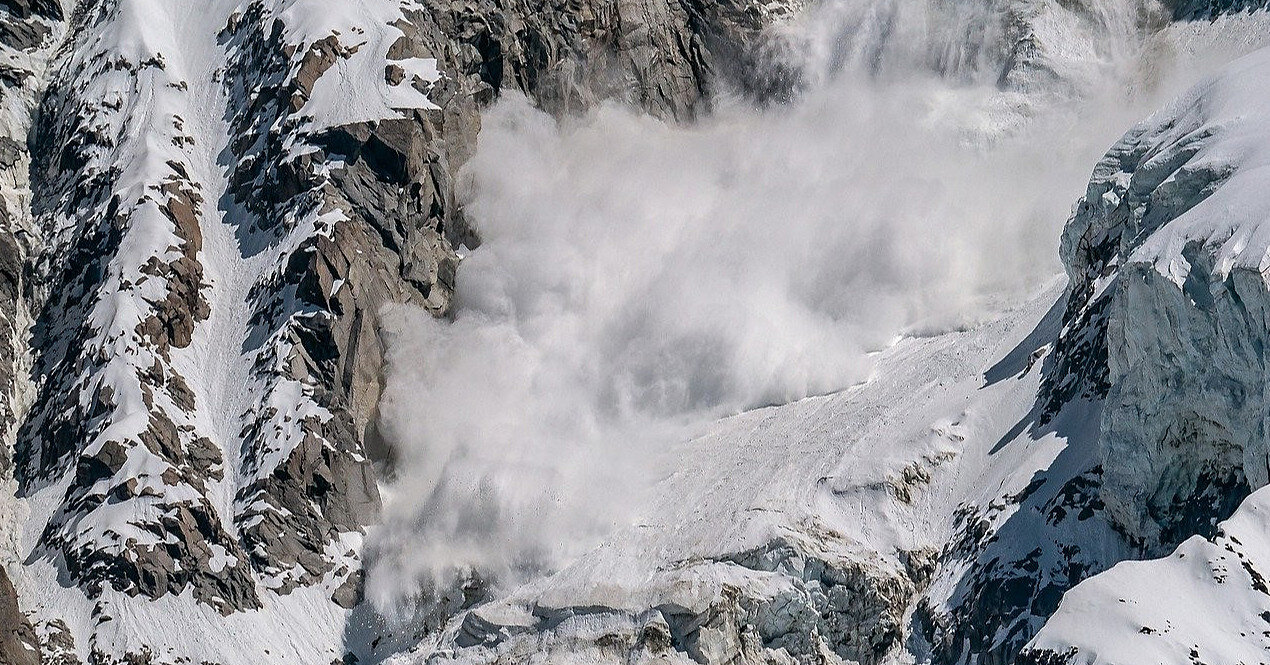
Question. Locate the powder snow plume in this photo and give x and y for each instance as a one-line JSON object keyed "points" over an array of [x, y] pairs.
{"points": [[637, 278]]}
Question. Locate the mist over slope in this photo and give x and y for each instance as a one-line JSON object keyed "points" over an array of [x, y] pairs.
{"points": [[992, 458], [637, 279]]}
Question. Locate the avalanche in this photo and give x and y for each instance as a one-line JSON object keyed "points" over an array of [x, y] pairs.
{"points": [[633, 331]]}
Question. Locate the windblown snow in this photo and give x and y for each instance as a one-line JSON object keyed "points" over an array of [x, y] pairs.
{"points": [[909, 192]]}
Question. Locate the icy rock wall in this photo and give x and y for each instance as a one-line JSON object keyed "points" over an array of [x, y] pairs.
{"points": [[1167, 257]]}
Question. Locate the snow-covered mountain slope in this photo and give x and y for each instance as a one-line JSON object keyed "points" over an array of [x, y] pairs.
{"points": [[207, 207], [1205, 603]]}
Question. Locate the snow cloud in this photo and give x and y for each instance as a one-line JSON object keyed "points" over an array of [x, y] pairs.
{"points": [[637, 278]]}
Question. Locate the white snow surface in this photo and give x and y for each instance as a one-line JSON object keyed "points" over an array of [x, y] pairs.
{"points": [[354, 89], [1208, 602], [1226, 116]]}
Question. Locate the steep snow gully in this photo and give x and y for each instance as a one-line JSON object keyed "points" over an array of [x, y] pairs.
{"points": [[634, 331]]}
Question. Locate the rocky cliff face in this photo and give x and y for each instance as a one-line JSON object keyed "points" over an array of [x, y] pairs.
{"points": [[1173, 303], [18, 644], [1169, 246], [28, 32]]}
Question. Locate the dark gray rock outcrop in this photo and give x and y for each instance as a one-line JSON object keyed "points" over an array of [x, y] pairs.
{"points": [[18, 644]]}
